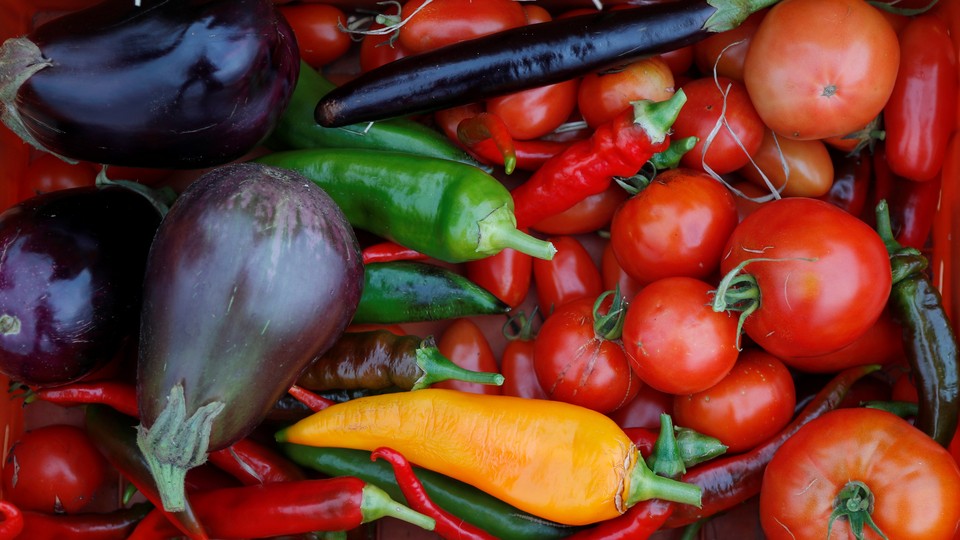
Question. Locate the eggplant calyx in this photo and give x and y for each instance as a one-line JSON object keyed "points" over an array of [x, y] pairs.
{"points": [[20, 58], [9, 324], [175, 444]]}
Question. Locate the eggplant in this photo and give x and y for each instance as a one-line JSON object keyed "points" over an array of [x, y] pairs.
{"points": [[526, 57], [253, 274], [72, 264], [172, 84]]}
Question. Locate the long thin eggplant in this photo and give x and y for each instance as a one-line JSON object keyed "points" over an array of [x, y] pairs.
{"points": [[71, 267], [253, 273], [525, 57], [169, 84]]}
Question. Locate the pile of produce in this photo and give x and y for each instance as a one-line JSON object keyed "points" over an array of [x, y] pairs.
{"points": [[488, 270]]}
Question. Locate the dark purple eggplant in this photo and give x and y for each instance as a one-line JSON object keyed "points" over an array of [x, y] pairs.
{"points": [[170, 84], [253, 274], [526, 57], [72, 264]]}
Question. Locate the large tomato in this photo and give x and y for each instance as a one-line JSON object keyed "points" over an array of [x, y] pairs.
{"points": [[821, 68], [864, 460]]}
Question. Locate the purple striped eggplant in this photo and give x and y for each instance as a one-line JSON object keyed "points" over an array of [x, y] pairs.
{"points": [[169, 84], [253, 274], [71, 270]]}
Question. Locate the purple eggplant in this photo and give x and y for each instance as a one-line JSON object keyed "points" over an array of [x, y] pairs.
{"points": [[253, 274], [169, 84], [72, 264]]}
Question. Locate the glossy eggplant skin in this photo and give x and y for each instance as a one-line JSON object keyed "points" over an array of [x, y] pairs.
{"points": [[175, 84], [71, 270], [253, 274]]}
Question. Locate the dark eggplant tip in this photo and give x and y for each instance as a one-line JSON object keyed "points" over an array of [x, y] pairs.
{"points": [[328, 113]]}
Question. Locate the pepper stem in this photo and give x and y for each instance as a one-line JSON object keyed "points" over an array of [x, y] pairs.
{"points": [[376, 503], [854, 503], [175, 443], [695, 447], [646, 484], [665, 459], [436, 368], [731, 13], [657, 117], [498, 230]]}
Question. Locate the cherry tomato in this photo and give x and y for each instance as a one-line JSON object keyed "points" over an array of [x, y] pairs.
{"points": [[678, 60], [614, 275], [578, 364], [821, 275], [535, 13], [48, 173], [432, 25], [535, 112], [882, 343], [318, 33], [54, 468], [753, 402], [603, 95], [591, 214], [739, 135], [571, 274], [675, 226], [507, 275], [644, 410], [821, 68], [378, 49], [860, 458], [723, 53], [516, 362], [675, 342], [465, 344], [809, 165]]}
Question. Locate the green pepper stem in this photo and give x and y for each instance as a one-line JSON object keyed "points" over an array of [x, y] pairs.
{"points": [[670, 158], [437, 367], [498, 230], [665, 459], [903, 409], [695, 447], [376, 503], [646, 485], [657, 117]]}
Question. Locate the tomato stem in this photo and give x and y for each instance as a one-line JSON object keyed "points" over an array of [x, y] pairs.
{"points": [[610, 325], [854, 503]]}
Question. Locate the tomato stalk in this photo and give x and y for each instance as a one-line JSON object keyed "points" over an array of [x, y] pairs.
{"points": [[854, 503]]}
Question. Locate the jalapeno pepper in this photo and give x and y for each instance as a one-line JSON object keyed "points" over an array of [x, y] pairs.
{"points": [[446, 210]]}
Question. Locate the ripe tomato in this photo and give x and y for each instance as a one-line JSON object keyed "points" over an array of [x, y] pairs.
{"points": [[318, 33], [48, 173], [571, 274], [644, 410], [377, 49], [517, 365], [864, 459], [821, 68], [591, 214], [438, 23], [614, 276], [724, 52], [851, 181], [737, 139], [752, 403], [603, 95], [464, 343], [577, 362], [821, 275], [535, 112], [808, 162], [55, 468], [675, 226], [675, 342], [882, 343], [507, 275]]}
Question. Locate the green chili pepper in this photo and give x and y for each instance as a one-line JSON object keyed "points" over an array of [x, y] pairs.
{"points": [[444, 209], [467, 502], [298, 130], [408, 291], [928, 337]]}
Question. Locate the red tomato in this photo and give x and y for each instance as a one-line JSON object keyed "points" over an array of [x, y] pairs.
{"points": [[438, 23], [739, 135], [644, 410], [907, 483], [919, 117], [378, 49], [678, 60], [675, 342], [535, 112], [851, 182], [882, 343], [571, 274], [675, 226], [518, 368], [317, 28], [591, 214], [576, 363], [605, 94], [614, 276], [821, 275], [535, 13], [48, 173], [752, 403], [809, 165], [55, 468], [730, 47], [507, 275], [821, 68], [464, 343]]}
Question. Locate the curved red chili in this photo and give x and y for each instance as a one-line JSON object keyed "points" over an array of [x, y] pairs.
{"points": [[311, 400], [388, 251], [116, 525], [119, 395], [253, 463], [488, 126]]}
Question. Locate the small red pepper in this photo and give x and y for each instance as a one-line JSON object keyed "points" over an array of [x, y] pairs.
{"points": [[617, 148], [487, 126], [912, 204], [11, 520], [390, 251], [530, 154], [116, 525], [119, 395], [945, 260], [253, 463], [311, 400], [448, 526]]}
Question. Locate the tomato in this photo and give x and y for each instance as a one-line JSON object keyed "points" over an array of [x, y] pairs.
{"points": [[808, 162], [675, 342], [465, 344], [821, 68], [507, 275], [533, 113], [675, 226], [919, 117], [822, 276], [431, 25], [535, 13], [749, 196], [317, 28], [48, 173], [753, 402], [882, 343], [54, 468], [908, 484], [571, 274], [740, 132], [378, 48], [614, 276], [518, 368], [730, 47], [851, 181], [591, 214], [604, 94], [576, 362], [678, 60], [644, 410]]}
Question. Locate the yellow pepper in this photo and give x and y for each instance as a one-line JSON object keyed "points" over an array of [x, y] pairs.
{"points": [[558, 461]]}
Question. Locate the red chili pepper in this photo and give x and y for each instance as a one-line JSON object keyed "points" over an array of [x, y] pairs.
{"points": [[488, 126], [11, 520], [617, 148], [448, 526], [311, 400], [638, 523], [530, 154], [851, 181], [390, 251], [912, 204], [253, 463], [507, 275], [945, 260], [116, 525], [119, 395]]}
